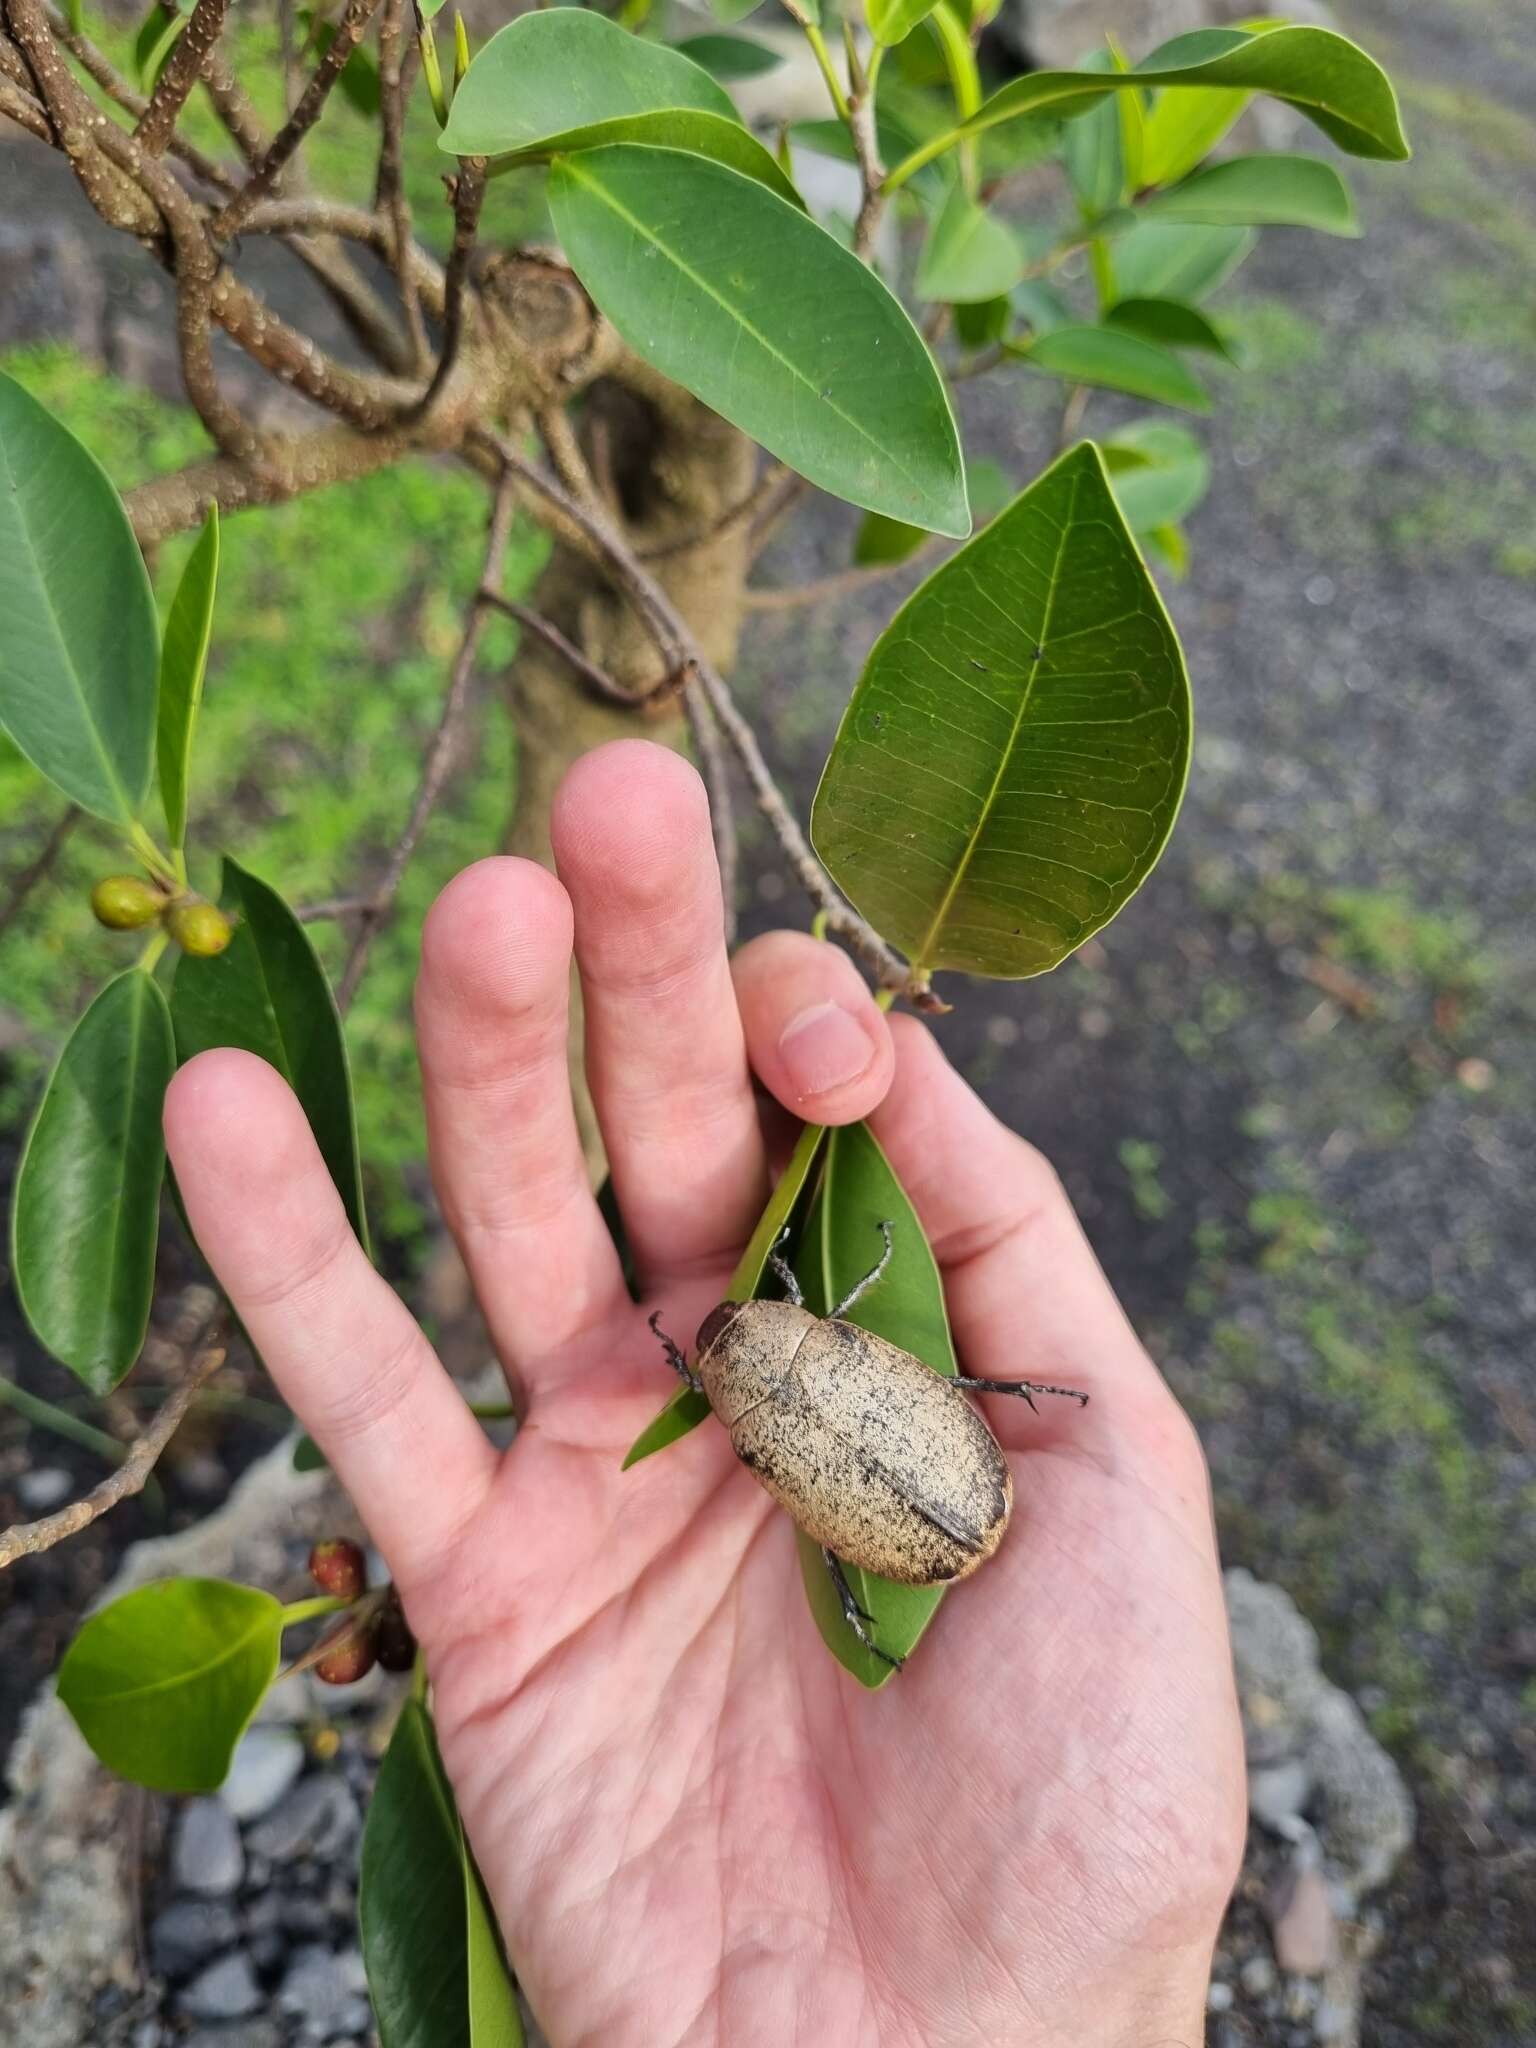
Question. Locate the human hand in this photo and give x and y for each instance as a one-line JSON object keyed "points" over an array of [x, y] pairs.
{"points": [[695, 1828]]}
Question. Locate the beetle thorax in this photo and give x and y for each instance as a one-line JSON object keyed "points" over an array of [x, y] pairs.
{"points": [[752, 1356]]}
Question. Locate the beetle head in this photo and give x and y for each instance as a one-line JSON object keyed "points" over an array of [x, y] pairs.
{"points": [[715, 1323]]}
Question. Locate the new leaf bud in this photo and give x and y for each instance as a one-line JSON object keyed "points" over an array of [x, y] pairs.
{"points": [[338, 1566]]}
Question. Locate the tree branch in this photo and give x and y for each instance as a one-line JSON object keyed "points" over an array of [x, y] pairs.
{"points": [[468, 198], [826, 588], [349, 33], [36, 870], [27, 1539], [183, 68], [395, 59], [597, 679], [439, 759]]}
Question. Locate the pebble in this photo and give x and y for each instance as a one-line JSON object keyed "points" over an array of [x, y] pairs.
{"points": [[1333, 2020], [324, 1991], [43, 1489], [1258, 1976], [265, 1764], [250, 2034], [1219, 1998], [207, 1856], [1301, 1919], [226, 1990], [188, 1932], [1278, 1793], [320, 1817]]}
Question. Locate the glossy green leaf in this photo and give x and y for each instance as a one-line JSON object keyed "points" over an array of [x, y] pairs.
{"points": [[267, 993], [747, 303], [1170, 323], [163, 1683], [730, 57], [688, 1408], [707, 135], [1093, 149], [426, 1951], [980, 325], [1011, 762], [85, 1218], [183, 666], [1041, 306], [79, 645], [1159, 473], [1325, 76], [308, 1456], [430, 9], [892, 21], [896, 140], [1260, 191], [884, 542], [1184, 125], [1116, 361], [562, 70], [730, 11], [840, 1244], [157, 36], [1153, 261], [1171, 545], [970, 253]]}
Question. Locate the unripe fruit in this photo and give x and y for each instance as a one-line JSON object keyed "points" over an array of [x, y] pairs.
{"points": [[397, 1645], [353, 1658], [200, 929], [338, 1566], [124, 903]]}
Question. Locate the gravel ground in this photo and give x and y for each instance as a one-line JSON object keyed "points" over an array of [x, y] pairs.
{"points": [[1292, 1087]]}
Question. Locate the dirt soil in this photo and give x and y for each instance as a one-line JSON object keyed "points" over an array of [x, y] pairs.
{"points": [[1292, 1089]]}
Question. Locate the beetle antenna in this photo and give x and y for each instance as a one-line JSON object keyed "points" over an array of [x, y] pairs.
{"points": [[853, 1613], [785, 1271], [870, 1278], [1025, 1389], [675, 1358]]}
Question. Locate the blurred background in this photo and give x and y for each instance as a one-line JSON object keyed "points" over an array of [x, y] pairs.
{"points": [[1292, 1089]]}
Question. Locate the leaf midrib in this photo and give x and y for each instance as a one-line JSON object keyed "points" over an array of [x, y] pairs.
{"points": [[190, 1676], [1042, 642], [733, 313]]}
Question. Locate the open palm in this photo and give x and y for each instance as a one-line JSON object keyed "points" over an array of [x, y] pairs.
{"points": [[694, 1826]]}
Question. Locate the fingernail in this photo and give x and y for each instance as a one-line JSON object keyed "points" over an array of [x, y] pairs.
{"points": [[824, 1047]]}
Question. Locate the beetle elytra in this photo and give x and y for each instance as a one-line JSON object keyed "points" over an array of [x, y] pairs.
{"points": [[880, 1460]]}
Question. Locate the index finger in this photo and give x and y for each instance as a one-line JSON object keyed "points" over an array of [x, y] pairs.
{"points": [[339, 1342]]}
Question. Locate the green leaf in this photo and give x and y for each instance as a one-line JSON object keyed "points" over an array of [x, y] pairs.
{"points": [[79, 646], [427, 1951], [359, 80], [1010, 765], [267, 993], [980, 325], [563, 70], [86, 1214], [429, 9], [183, 665], [163, 1683], [730, 11], [1115, 360], [881, 541], [840, 1244], [1170, 543], [892, 21], [1041, 306], [1159, 473], [1153, 261], [157, 36], [308, 1456], [687, 1408], [970, 255], [1260, 191], [730, 57], [1093, 148], [1170, 323], [1183, 127], [707, 135], [1325, 76], [748, 304]]}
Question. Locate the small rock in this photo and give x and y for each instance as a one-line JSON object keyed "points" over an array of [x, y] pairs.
{"points": [[306, 1919], [322, 1990], [207, 1856], [43, 1489], [265, 1764], [1219, 1998], [226, 1990], [1278, 1793], [1301, 1919], [188, 1933], [1333, 2020], [1258, 1976], [250, 2034], [318, 1817], [148, 2034]]}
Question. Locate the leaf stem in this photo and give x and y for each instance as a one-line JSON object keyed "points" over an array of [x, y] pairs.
{"points": [[312, 1609], [46, 1416], [154, 946], [964, 81], [823, 56]]}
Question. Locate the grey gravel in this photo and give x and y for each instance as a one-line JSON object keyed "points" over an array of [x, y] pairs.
{"points": [[1278, 1793], [207, 1856], [250, 2034], [43, 1489], [322, 1991], [266, 1762], [1258, 1976], [226, 1990], [189, 1932], [319, 1817]]}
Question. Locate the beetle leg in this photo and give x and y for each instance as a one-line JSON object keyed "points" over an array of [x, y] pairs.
{"points": [[675, 1358], [785, 1271], [853, 1613], [869, 1279], [1025, 1389]]}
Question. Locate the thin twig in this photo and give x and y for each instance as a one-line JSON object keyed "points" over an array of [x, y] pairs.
{"points": [[27, 1539], [1071, 417], [679, 649], [829, 588], [19, 106], [100, 70], [334, 907], [26, 879], [468, 197], [395, 59], [183, 68], [349, 33], [596, 678], [439, 759]]}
